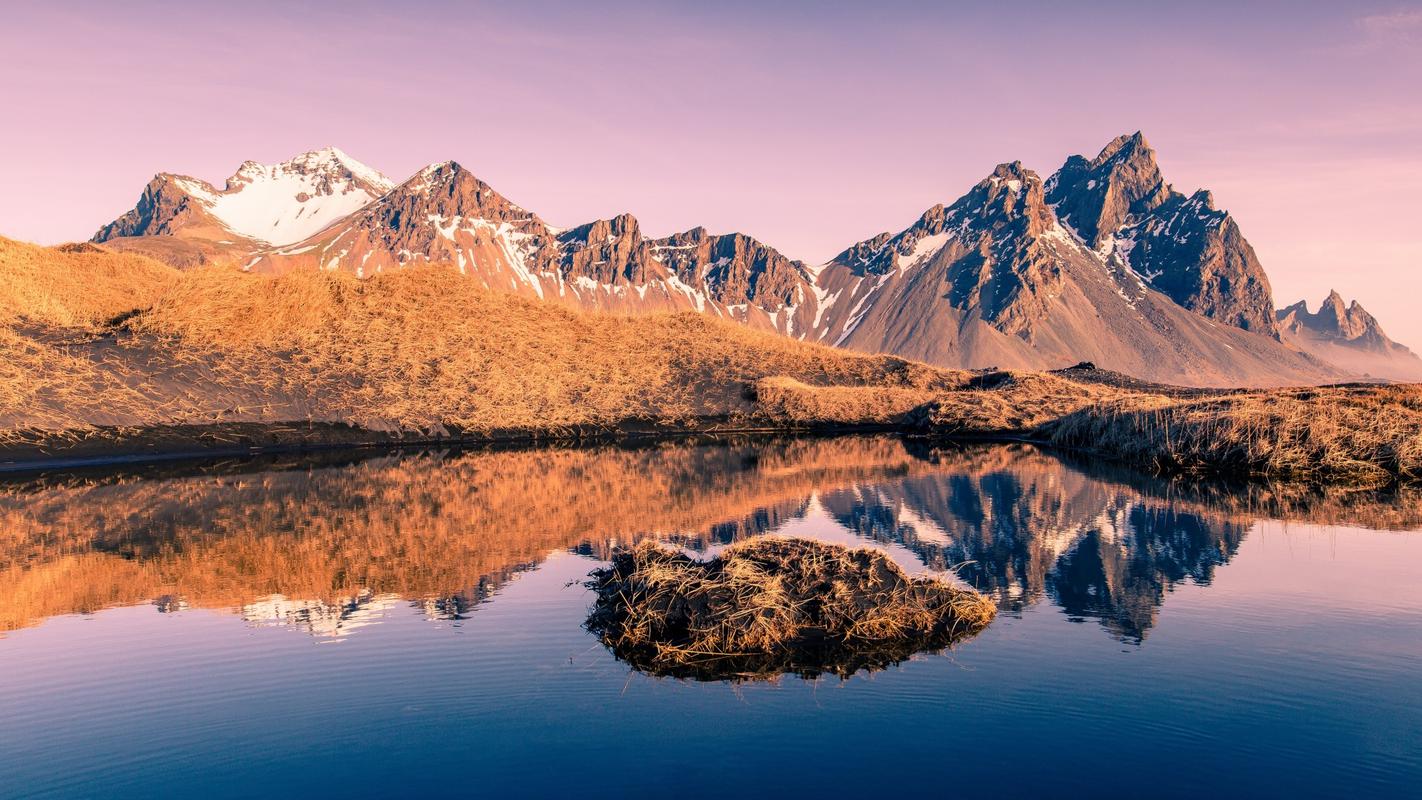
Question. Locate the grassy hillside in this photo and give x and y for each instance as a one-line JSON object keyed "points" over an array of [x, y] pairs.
{"points": [[49, 297], [75, 285], [421, 350], [115, 343]]}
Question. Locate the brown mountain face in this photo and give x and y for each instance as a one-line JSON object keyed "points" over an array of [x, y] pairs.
{"points": [[609, 251], [1183, 246], [166, 207], [442, 214], [734, 268], [1349, 336], [1099, 196], [171, 225]]}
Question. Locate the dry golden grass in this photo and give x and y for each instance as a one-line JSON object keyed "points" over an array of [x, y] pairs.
{"points": [[793, 402], [771, 606], [1353, 434], [1362, 434], [972, 404], [423, 351], [74, 289], [75, 285]]}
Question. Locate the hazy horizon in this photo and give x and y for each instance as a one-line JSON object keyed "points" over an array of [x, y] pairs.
{"points": [[807, 126]]}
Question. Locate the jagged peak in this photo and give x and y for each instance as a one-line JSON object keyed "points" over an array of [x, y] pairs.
{"points": [[735, 240], [1124, 146], [448, 168], [1334, 304], [1011, 190], [1336, 318], [1010, 171], [1204, 197], [933, 215], [443, 173], [623, 224], [448, 189], [186, 182], [1010, 178], [327, 161]]}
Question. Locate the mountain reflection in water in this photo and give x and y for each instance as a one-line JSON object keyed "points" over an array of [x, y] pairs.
{"points": [[331, 547]]}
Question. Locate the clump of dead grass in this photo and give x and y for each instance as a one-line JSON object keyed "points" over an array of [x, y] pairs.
{"points": [[771, 606]]}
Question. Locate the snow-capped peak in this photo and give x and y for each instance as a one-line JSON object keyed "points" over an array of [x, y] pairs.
{"points": [[285, 203]]}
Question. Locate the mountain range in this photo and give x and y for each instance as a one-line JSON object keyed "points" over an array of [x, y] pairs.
{"points": [[1103, 261], [1347, 334]]}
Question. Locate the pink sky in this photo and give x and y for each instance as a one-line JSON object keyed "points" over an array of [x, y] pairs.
{"points": [[810, 126]]}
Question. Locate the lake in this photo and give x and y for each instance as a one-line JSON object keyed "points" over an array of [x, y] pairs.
{"points": [[412, 624]]}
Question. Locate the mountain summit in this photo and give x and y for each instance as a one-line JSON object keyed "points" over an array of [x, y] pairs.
{"points": [[260, 204], [1121, 206], [446, 214]]}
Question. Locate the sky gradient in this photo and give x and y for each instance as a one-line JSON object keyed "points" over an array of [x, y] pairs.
{"points": [[809, 126]]}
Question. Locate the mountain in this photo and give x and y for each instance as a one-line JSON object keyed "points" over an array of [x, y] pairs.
{"points": [[998, 279], [190, 221], [1120, 205], [447, 214], [1102, 262], [1349, 336]]}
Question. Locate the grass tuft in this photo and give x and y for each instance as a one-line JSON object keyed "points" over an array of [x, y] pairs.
{"points": [[770, 606]]}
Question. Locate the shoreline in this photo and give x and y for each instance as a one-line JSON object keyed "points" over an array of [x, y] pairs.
{"points": [[106, 448], [110, 447]]}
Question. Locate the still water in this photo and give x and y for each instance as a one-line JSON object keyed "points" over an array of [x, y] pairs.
{"points": [[411, 624]]}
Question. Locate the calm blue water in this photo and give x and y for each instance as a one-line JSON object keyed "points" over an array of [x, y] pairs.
{"points": [[405, 625]]}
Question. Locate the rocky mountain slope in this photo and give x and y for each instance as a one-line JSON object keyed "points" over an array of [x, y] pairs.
{"points": [[1102, 262], [997, 278], [1120, 205], [1347, 335]]}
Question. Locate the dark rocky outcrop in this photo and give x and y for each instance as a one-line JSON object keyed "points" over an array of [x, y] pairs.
{"points": [[165, 207]]}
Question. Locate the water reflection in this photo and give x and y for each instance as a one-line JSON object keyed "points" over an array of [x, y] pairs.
{"points": [[331, 547], [1023, 531]]}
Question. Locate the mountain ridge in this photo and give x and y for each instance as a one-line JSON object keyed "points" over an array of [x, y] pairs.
{"points": [[996, 278], [1103, 261], [1347, 334]]}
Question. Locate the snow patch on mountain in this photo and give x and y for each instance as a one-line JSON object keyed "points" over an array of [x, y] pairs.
{"points": [[282, 204]]}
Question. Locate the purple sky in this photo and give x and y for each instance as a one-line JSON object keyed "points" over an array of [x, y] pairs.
{"points": [[810, 126]]}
